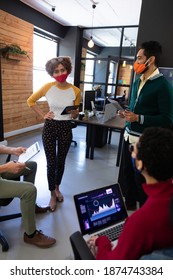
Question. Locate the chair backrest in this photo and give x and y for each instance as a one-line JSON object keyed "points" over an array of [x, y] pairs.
{"points": [[80, 249], [73, 124]]}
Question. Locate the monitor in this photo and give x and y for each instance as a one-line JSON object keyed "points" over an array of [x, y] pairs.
{"points": [[167, 73], [89, 96]]}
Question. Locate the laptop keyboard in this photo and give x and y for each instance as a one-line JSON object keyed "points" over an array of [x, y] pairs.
{"points": [[113, 232]]}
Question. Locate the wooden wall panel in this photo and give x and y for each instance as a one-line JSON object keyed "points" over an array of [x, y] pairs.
{"points": [[17, 76]]}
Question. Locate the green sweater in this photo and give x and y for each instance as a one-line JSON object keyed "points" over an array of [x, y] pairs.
{"points": [[154, 105]]}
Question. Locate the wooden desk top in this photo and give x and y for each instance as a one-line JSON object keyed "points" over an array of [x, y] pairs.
{"points": [[115, 122]]}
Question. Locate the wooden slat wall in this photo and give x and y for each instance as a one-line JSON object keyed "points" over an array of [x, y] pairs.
{"points": [[17, 76]]}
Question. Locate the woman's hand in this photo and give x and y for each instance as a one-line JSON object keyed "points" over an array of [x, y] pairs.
{"points": [[49, 116], [74, 113]]}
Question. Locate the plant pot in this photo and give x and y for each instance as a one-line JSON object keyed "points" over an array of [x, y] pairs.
{"points": [[15, 56]]}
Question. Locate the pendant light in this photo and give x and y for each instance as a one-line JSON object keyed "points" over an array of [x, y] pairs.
{"points": [[91, 42]]}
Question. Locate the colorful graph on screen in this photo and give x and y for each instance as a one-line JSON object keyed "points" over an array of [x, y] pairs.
{"points": [[100, 208]]}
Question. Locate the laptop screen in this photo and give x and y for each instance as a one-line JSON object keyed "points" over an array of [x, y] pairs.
{"points": [[100, 208]]}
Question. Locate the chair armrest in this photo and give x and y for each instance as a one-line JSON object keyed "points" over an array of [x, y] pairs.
{"points": [[80, 248]]}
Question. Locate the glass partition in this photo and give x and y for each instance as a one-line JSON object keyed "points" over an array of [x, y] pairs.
{"points": [[112, 60]]}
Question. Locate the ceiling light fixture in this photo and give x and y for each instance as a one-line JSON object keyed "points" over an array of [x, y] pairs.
{"points": [[53, 7], [91, 42]]}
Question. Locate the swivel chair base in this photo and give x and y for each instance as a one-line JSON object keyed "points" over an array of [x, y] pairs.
{"points": [[4, 243], [3, 240]]}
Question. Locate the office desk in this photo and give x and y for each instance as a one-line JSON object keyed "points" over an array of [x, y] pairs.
{"points": [[117, 123]]}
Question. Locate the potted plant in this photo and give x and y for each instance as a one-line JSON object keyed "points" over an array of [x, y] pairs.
{"points": [[13, 51]]}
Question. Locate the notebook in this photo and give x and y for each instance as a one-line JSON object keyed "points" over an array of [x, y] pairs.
{"points": [[101, 210], [30, 152]]}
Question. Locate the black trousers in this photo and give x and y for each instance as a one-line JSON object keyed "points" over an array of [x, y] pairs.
{"points": [[57, 137], [130, 180]]}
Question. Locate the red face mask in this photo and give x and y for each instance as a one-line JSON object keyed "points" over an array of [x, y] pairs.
{"points": [[62, 78], [140, 68]]}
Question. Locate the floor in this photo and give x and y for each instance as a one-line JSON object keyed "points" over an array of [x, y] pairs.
{"points": [[81, 174]]}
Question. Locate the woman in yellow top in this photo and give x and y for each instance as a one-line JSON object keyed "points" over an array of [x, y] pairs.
{"points": [[57, 127]]}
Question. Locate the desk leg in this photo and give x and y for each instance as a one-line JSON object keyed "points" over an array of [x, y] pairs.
{"points": [[120, 147], [109, 135], [92, 142], [88, 137]]}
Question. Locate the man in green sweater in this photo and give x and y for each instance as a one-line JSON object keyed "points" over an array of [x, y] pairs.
{"points": [[151, 105]]}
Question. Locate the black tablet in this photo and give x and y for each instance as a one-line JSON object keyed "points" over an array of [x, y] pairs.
{"points": [[69, 108]]}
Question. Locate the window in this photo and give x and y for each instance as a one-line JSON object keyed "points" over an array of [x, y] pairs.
{"points": [[43, 50], [111, 78], [89, 72]]}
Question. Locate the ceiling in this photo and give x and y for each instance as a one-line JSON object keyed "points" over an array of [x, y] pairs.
{"points": [[106, 13]]}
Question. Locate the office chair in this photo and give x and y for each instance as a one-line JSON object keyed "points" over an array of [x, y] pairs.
{"points": [[73, 125], [3, 241], [5, 202], [80, 249]]}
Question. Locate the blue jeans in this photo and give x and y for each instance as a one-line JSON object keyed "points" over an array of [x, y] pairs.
{"points": [[163, 254]]}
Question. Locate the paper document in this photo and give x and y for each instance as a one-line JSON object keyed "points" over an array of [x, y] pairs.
{"points": [[30, 152]]}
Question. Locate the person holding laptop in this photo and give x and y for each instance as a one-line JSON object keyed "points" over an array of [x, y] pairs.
{"points": [[150, 227], [57, 126]]}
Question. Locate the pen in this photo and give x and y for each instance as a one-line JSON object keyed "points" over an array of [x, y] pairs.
{"points": [[26, 167]]}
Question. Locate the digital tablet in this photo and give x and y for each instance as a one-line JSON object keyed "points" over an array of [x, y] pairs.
{"points": [[69, 108], [30, 152]]}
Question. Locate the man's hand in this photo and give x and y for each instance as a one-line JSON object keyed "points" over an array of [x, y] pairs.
{"points": [[14, 167], [121, 113], [18, 151], [130, 116], [91, 244]]}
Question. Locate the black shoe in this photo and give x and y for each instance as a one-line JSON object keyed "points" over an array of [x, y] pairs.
{"points": [[40, 209]]}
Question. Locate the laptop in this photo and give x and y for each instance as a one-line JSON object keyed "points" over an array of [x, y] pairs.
{"points": [[116, 104], [110, 112], [101, 212]]}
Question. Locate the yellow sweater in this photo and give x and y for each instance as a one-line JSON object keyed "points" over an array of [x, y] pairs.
{"points": [[57, 98]]}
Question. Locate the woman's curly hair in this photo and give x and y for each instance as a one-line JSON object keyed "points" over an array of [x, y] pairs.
{"points": [[155, 149], [52, 64]]}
